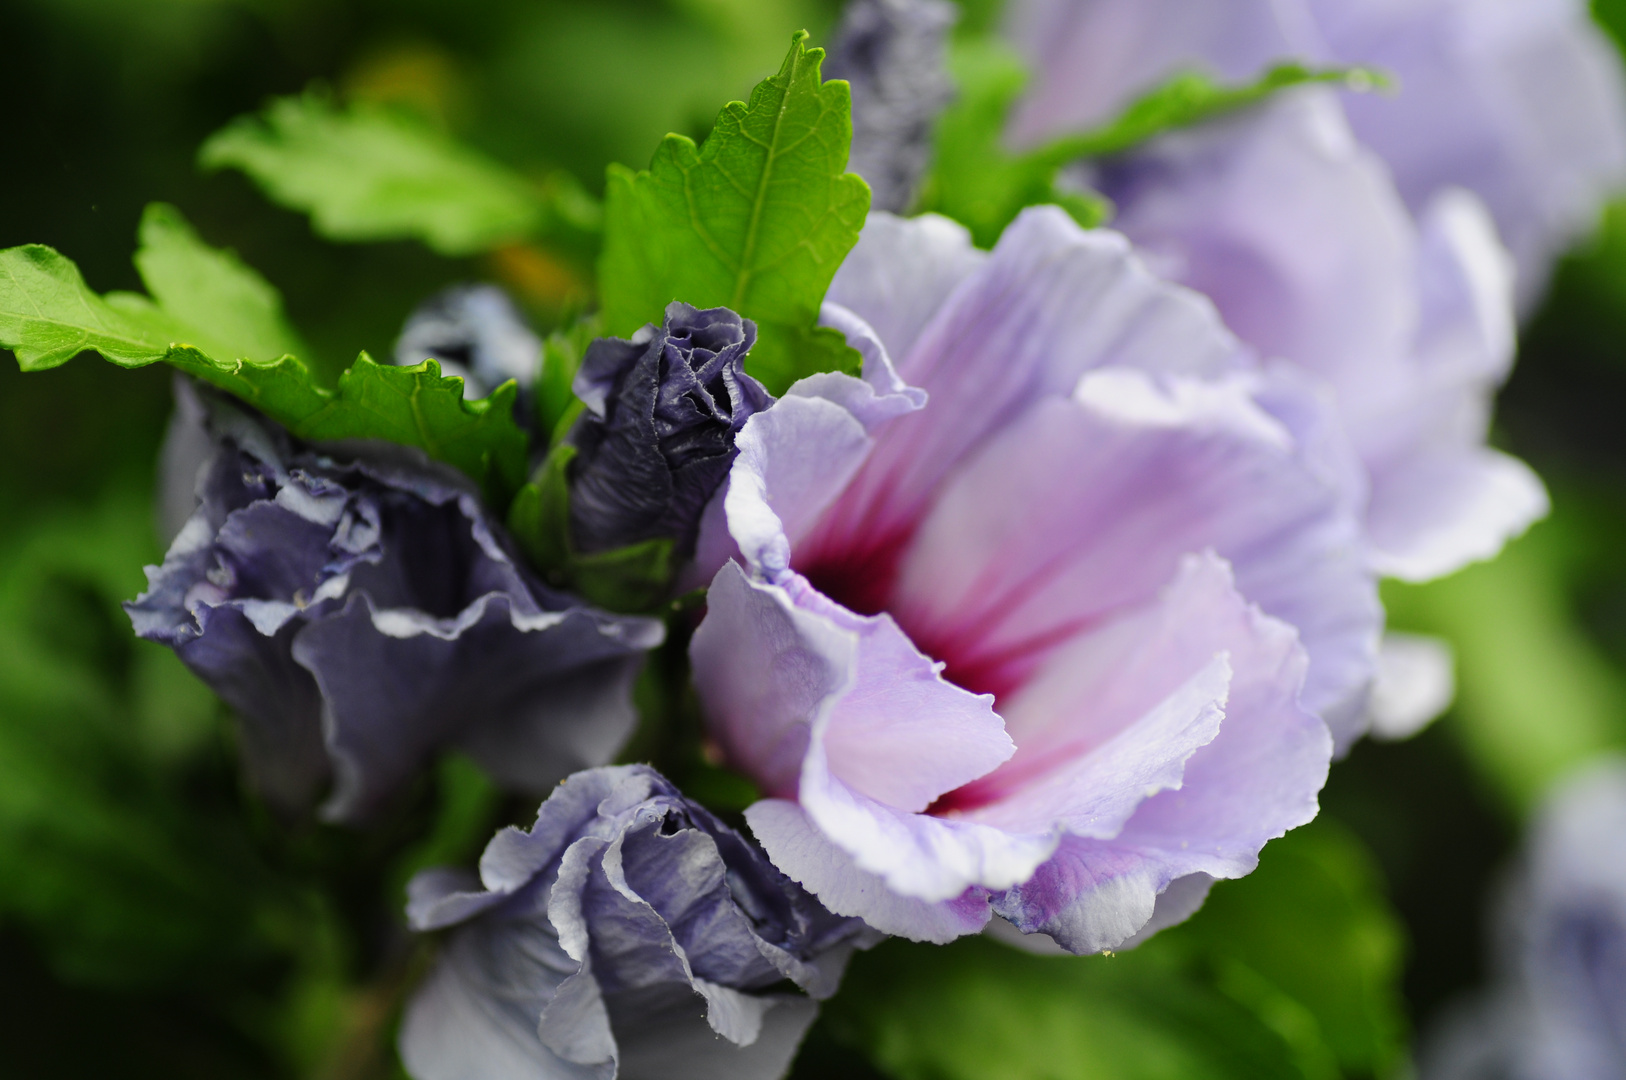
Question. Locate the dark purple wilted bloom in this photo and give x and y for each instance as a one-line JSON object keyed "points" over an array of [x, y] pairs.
{"points": [[629, 933], [657, 436], [893, 54], [361, 611]]}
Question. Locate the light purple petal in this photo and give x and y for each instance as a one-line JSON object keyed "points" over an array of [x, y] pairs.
{"points": [[848, 691], [1293, 230], [1521, 101], [901, 272], [1113, 716], [1088, 505], [800, 849], [1091, 56], [874, 733], [1416, 682], [1052, 302], [1258, 778], [1298, 235], [1440, 497], [1450, 508], [775, 493]]}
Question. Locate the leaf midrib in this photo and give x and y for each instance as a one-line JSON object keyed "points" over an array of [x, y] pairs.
{"points": [[742, 280]]}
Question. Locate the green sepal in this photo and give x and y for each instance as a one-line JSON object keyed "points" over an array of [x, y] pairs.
{"points": [[635, 578], [756, 219], [562, 353]]}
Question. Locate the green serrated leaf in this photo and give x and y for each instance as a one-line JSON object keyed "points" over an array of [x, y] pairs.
{"points": [[977, 181], [369, 173], [230, 310], [756, 219], [48, 315]]}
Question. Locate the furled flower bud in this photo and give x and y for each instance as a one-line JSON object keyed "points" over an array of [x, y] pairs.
{"points": [[657, 436], [629, 933], [893, 54], [474, 331], [361, 611]]}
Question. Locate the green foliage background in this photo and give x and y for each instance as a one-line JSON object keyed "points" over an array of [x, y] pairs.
{"points": [[153, 921]]}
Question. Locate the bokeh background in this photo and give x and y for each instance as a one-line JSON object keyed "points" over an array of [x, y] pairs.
{"points": [[154, 923]]}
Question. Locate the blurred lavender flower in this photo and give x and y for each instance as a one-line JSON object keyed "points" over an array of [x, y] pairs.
{"points": [[475, 332], [894, 55], [657, 435], [629, 933], [1519, 101], [1296, 233], [1074, 530], [361, 611], [1559, 1011]]}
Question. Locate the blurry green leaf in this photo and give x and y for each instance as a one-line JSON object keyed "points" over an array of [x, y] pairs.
{"points": [[1190, 98], [48, 315], [1309, 944], [974, 179], [229, 309], [115, 872], [978, 1009], [1293, 971], [1535, 696], [756, 219], [979, 182], [370, 173]]}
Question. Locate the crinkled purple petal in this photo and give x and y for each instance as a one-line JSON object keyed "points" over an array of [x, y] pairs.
{"points": [[534, 696], [657, 436], [628, 933], [363, 612], [1557, 1007]]}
